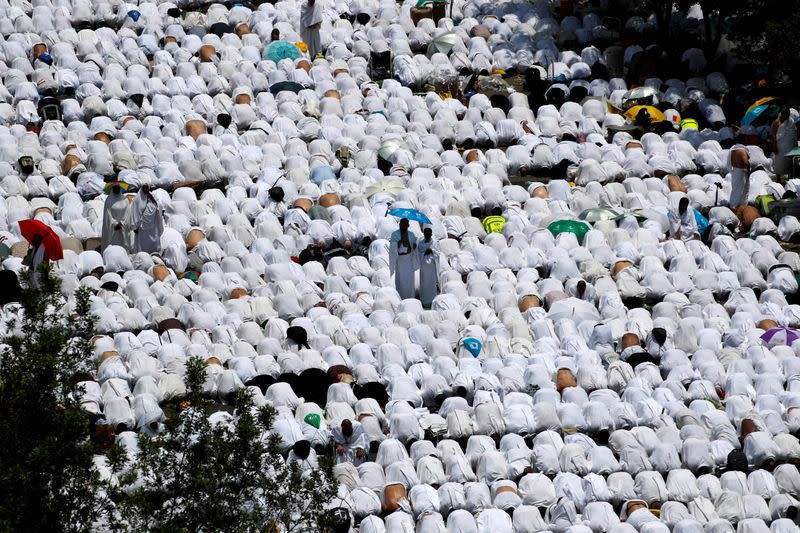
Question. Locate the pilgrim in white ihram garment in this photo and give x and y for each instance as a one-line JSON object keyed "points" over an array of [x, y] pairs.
{"points": [[115, 211], [403, 260], [145, 222], [310, 22], [428, 250]]}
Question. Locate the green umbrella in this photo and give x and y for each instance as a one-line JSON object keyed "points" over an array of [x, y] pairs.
{"points": [[555, 217], [569, 226], [599, 213], [421, 3], [5, 251], [312, 419], [282, 50]]}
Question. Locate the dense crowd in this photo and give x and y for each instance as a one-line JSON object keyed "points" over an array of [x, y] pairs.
{"points": [[582, 354]]}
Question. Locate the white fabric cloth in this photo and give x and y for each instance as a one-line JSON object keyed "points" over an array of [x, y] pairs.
{"points": [[403, 263], [428, 270], [115, 212], [145, 224], [310, 22]]}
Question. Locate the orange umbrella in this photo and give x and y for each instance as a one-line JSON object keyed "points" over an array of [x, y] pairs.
{"points": [[50, 241]]}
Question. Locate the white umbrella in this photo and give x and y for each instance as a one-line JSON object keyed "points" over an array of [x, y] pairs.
{"points": [[390, 146], [573, 308], [444, 44], [638, 93], [389, 186]]}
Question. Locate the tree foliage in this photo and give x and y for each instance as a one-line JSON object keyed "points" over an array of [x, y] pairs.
{"points": [[767, 32], [716, 17], [208, 471], [47, 476], [216, 471]]}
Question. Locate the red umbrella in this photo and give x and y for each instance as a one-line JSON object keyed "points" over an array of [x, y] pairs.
{"points": [[51, 241]]}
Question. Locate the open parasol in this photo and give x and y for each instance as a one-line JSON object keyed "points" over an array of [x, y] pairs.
{"points": [[51, 242], [574, 309], [282, 50], [779, 337], [281, 86], [598, 213], [762, 112], [654, 113], [443, 43], [390, 186], [569, 226], [410, 214], [390, 146]]}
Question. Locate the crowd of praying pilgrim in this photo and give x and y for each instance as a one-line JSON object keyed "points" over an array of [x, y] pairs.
{"points": [[475, 372]]}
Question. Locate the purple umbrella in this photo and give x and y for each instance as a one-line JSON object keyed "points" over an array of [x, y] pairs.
{"points": [[779, 337]]}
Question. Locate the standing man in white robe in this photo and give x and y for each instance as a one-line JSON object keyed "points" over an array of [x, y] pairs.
{"points": [[145, 222], [115, 211], [428, 251], [784, 133], [740, 176], [310, 22], [403, 260]]}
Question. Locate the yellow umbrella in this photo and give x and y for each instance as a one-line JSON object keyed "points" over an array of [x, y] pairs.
{"points": [[655, 114]]}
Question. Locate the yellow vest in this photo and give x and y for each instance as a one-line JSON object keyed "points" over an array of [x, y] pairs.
{"points": [[493, 224], [689, 124]]}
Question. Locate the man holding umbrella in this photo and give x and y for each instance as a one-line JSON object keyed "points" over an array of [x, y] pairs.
{"points": [[45, 246], [36, 256], [403, 262]]}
